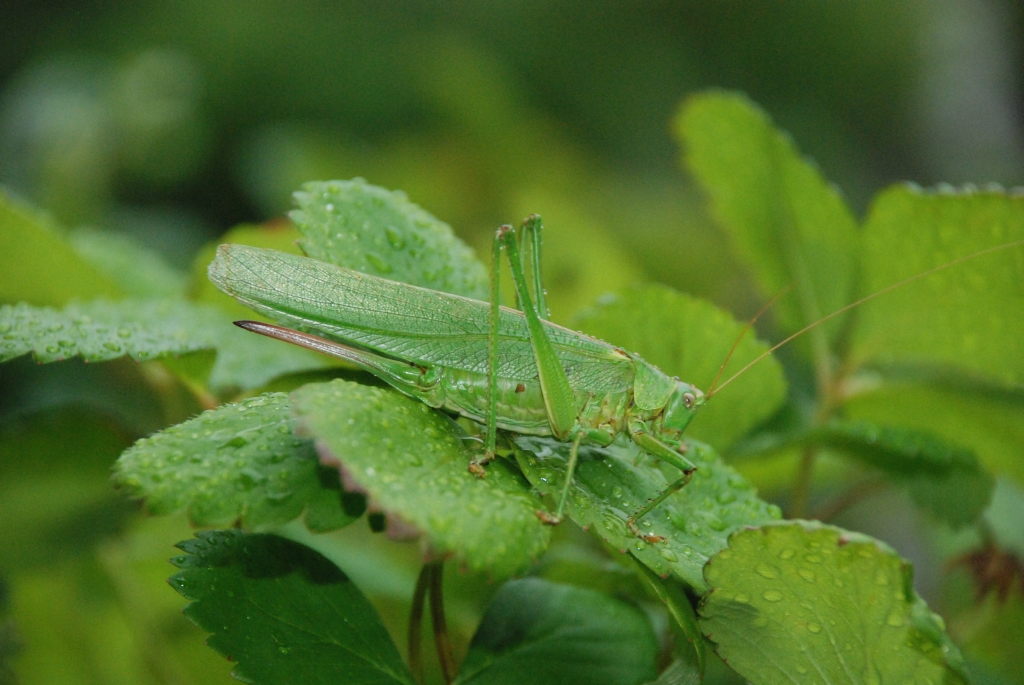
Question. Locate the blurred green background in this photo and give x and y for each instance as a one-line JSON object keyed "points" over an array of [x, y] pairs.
{"points": [[170, 122]]}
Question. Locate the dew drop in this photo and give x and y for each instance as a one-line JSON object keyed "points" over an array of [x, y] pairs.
{"points": [[766, 571], [787, 553], [814, 628], [807, 574], [895, 619], [379, 264], [741, 598], [772, 596]]}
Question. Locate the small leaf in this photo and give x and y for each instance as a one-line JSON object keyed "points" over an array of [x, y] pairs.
{"points": [[967, 316], [239, 462], [613, 482], [786, 223], [144, 329], [681, 610], [283, 612], [801, 602], [138, 271], [946, 480], [413, 461], [690, 338], [370, 229], [540, 632], [37, 266]]}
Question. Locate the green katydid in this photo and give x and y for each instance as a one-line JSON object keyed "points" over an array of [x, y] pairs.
{"points": [[497, 366]]}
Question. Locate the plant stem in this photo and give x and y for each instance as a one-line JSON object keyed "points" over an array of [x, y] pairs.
{"points": [[857, 493], [802, 485], [419, 596], [441, 639]]}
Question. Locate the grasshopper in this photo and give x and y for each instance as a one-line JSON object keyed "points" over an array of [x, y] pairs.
{"points": [[504, 368]]}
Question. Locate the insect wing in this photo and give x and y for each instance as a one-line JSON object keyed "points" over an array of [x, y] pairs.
{"points": [[404, 321]]}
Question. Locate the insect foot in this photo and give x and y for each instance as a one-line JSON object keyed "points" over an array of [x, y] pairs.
{"points": [[646, 537], [547, 518], [476, 466]]}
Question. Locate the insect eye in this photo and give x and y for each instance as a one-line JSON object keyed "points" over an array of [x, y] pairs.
{"points": [[688, 400]]}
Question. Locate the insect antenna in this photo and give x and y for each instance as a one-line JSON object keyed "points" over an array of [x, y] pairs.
{"points": [[867, 298], [746, 329]]}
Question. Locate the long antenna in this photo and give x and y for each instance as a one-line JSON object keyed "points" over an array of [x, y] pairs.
{"points": [[746, 329], [872, 296]]}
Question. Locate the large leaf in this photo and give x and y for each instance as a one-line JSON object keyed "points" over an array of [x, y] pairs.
{"points": [[540, 632], [691, 338], [786, 223], [283, 612], [967, 316], [240, 462], [802, 602], [37, 266], [413, 462], [145, 329], [613, 482], [377, 231], [946, 480]]}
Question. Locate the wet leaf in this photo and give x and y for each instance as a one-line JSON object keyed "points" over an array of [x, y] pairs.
{"points": [[946, 480], [690, 338], [801, 602], [370, 229], [967, 316], [283, 612], [540, 632], [787, 224], [610, 485], [413, 462], [239, 462], [148, 329]]}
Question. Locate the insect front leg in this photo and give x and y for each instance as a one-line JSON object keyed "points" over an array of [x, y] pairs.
{"points": [[645, 439]]}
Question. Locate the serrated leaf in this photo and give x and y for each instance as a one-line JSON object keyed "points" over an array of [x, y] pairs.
{"points": [[613, 482], [37, 266], [802, 602], [240, 462], [137, 271], [540, 632], [690, 338], [785, 222], [148, 329], [413, 462], [283, 612], [370, 229], [967, 316], [946, 480]]}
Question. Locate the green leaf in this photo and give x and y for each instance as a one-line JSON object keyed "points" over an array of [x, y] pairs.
{"points": [[801, 602], [144, 329], [413, 462], [679, 607], [37, 266], [239, 462], [946, 480], [992, 424], [370, 229], [786, 223], [283, 612], [613, 482], [690, 338], [540, 632], [967, 316], [137, 271]]}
